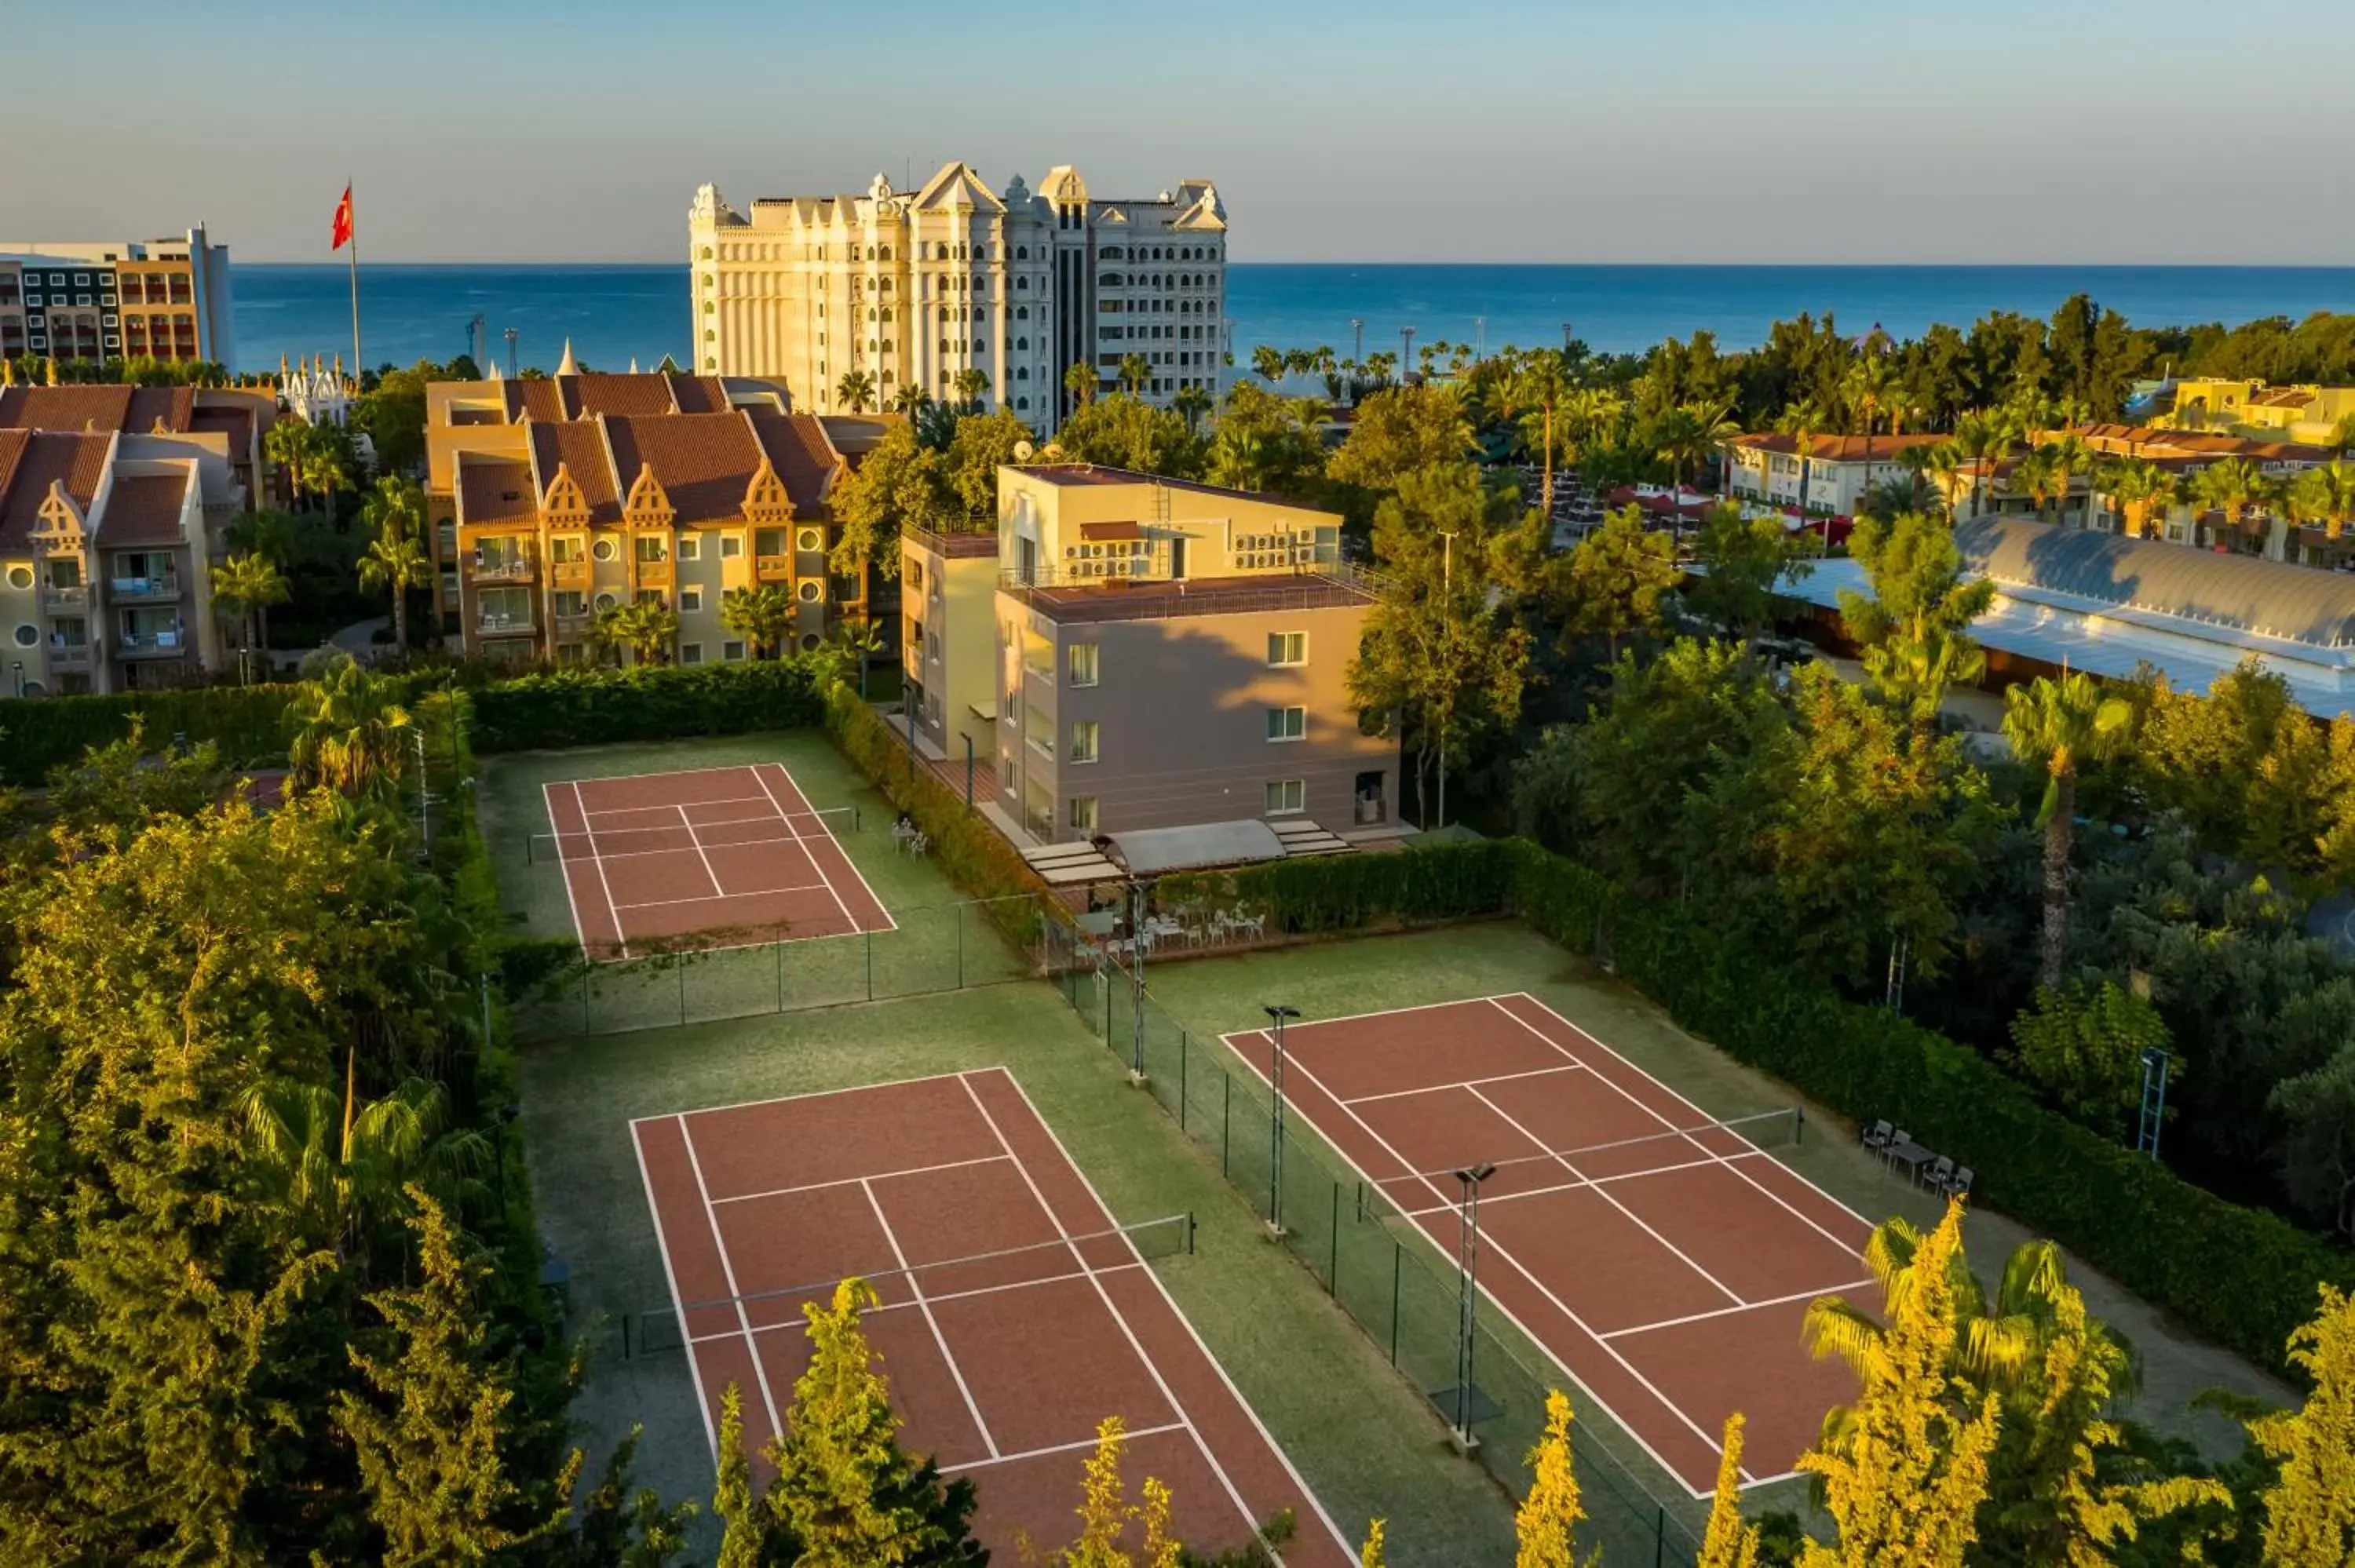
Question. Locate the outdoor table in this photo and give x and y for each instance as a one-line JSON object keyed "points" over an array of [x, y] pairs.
{"points": [[1911, 1155]]}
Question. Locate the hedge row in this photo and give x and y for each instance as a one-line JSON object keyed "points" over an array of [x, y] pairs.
{"points": [[41, 733], [2241, 1277], [598, 707], [974, 855]]}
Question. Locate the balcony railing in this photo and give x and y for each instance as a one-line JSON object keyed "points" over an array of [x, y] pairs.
{"points": [[506, 625], [150, 644], [74, 658], [568, 574], [653, 574], [55, 596], [1038, 744], [518, 571], [772, 568], [166, 586]]}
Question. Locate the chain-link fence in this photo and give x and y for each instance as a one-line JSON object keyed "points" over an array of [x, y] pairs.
{"points": [[1402, 1291], [939, 948]]}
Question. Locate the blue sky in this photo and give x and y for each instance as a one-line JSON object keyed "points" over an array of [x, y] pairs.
{"points": [[2076, 131]]}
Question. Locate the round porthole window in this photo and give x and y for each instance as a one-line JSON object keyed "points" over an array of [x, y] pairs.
{"points": [[809, 593], [20, 577], [28, 634], [604, 549], [605, 601], [810, 540], [809, 641]]}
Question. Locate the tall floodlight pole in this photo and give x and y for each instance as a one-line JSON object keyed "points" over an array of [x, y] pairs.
{"points": [[511, 335], [1468, 1266], [1276, 1013], [1479, 337], [1136, 977], [1406, 352]]}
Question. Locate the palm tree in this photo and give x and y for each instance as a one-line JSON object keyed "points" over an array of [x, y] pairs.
{"points": [[395, 560], [1985, 438], [2070, 457], [326, 463], [852, 645], [283, 444], [1240, 459], [1135, 370], [1870, 385], [648, 627], [1689, 436], [762, 616], [2033, 473], [344, 1168], [1943, 466], [911, 400], [347, 729], [1800, 421], [1540, 386], [970, 383], [2324, 495], [2137, 488], [855, 391], [1267, 363], [2061, 724], [247, 586], [1191, 403], [2231, 487], [1081, 382]]}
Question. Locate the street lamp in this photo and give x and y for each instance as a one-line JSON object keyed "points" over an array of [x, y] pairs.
{"points": [[1135, 887], [1276, 1013], [1467, 1266], [511, 335]]}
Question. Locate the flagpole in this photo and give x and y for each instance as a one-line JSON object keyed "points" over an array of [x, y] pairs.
{"points": [[354, 244]]}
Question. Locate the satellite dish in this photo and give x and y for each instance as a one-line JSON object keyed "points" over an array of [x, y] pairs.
{"points": [[1023, 451]]}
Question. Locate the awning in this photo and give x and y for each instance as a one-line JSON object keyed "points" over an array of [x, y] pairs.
{"points": [[1153, 851], [1095, 533]]}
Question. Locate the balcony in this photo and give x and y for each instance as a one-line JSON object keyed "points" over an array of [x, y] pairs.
{"points": [[772, 568], [68, 660], [55, 596], [152, 644], [130, 590], [568, 574], [1041, 745], [653, 574], [505, 624], [512, 571]]}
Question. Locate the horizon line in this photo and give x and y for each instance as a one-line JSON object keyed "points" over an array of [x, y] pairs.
{"points": [[1361, 261]]}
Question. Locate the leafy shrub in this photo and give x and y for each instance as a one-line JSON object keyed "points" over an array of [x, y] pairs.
{"points": [[599, 706], [39, 734]]}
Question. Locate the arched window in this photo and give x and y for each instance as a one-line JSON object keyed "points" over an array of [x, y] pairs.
{"points": [[887, 312], [1021, 313], [888, 345], [944, 312], [1022, 402], [944, 345], [941, 251], [886, 255], [1022, 342], [889, 377], [870, 313], [1022, 373], [1022, 253], [871, 346], [870, 253], [960, 251], [1022, 283]]}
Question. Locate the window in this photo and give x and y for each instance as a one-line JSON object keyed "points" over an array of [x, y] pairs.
{"points": [[732, 546], [1287, 724], [731, 652], [1287, 647], [1285, 795], [1082, 660], [28, 634], [653, 548], [605, 550], [809, 592], [691, 546], [1083, 740], [690, 600], [690, 653], [20, 577], [808, 539], [564, 547], [1083, 813]]}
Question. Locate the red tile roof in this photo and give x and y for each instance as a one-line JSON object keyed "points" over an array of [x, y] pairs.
{"points": [[1836, 448], [143, 509], [65, 408], [805, 460], [537, 398], [495, 490], [593, 393], [703, 461], [579, 446], [172, 406], [78, 459], [699, 394]]}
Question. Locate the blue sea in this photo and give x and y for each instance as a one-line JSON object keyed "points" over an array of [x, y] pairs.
{"points": [[615, 314]]}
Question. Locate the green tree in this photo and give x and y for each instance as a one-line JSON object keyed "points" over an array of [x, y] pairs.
{"points": [[1614, 584], [1191, 403], [348, 729], [394, 561], [1135, 371], [345, 1168], [2310, 1509], [2324, 495], [844, 1489], [327, 462], [1904, 1470], [1539, 385], [981, 445], [902, 483], [427, 1433], [747, 1526], [2061, 725], [283, 444], [855, 391], [2230, 488], [245, 586], [2084, 1046], [970, 383], [1545, 1525], [1726, 1542], [1268, 363], [648, 627], [763, 615], [1081, 382], [1128, 432], [1742, 561], [2140, 490], [1914, 626], [1400, 431], [1687, 437]]}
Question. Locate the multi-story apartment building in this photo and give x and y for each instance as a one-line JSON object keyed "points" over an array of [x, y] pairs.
{"points": [[2306, 413], [1155, 654], [549, 500], [1837, 469], [164, 299], [916, 289]]}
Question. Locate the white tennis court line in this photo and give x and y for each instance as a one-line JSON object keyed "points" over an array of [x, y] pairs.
{"points": [[854, 1181], [832, 892], [709, 870], [1058, 1448], [611, 913], [807, 1094], [673, 805], [724, 897], [548, 803], [935, 1298], [939, 1339], [1734, 1311], [1489, 1199], [1162, 1287], [1637, 1220], [727, 1272], [1490, 1244], [670, 1277], [888, 922], [1152, 1367], [684, 849], [1464, 1084], [1776, 1198]]}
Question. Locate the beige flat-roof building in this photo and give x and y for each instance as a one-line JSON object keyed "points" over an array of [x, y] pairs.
{"points": [[956, 285], [129, 298], [1154, 654]]}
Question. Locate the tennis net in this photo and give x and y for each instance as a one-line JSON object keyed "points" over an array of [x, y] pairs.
{"points": [[666, 1328], [1649, 1154], [735, 833]]}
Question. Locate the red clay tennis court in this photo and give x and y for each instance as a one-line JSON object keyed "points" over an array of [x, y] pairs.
{"points": [[1664, 1258], [736, 855], [1015, 1313]]}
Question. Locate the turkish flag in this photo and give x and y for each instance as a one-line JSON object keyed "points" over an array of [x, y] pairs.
{"points": [[343, 221]]}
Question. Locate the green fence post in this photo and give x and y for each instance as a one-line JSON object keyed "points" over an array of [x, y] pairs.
{"points": [[682, 994], [1226, 1117], [870, 947], [1333, 1247], [1659, 1537], [1398, 1259]]}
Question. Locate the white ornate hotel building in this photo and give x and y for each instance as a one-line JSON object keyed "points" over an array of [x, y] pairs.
{"points": [[915, 288]]}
